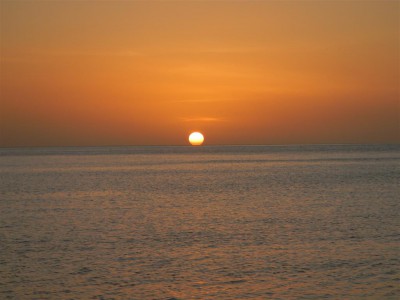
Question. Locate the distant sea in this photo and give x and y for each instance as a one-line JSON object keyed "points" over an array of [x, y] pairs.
{"points": [[210, 222]]}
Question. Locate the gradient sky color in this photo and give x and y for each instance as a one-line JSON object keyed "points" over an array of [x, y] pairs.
{"points": [[77, 73]]}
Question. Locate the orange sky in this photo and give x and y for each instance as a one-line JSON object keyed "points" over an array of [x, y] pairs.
{"points": [[241, 72]]}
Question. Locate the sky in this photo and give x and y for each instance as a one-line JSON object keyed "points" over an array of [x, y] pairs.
{"points": [[89, 73]]}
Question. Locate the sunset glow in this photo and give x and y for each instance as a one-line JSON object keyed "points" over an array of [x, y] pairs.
{"points": [[199, 149], [249, 72]]}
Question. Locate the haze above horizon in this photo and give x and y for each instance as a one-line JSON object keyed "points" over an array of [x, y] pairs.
{"points": [[80, 73]]}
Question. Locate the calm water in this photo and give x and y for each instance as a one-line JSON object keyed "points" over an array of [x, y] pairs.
{"points": [[254, 222]]}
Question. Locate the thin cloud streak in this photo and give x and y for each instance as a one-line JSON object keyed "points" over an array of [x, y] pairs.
{"points": [[200, 100], [203, 119]]}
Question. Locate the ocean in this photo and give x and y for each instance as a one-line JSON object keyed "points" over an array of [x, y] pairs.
{"points": [[209, 222]]}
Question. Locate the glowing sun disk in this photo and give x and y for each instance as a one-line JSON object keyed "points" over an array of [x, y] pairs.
{"points": [[196, 138]]}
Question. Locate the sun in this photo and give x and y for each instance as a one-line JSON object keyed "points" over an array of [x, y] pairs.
{"points": [[196, 138]]}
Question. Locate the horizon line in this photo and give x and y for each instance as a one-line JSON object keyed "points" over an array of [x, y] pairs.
{"points": [[208, 145]]}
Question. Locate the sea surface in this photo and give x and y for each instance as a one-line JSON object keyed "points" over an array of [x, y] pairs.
{"points": [[210, 222]]}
